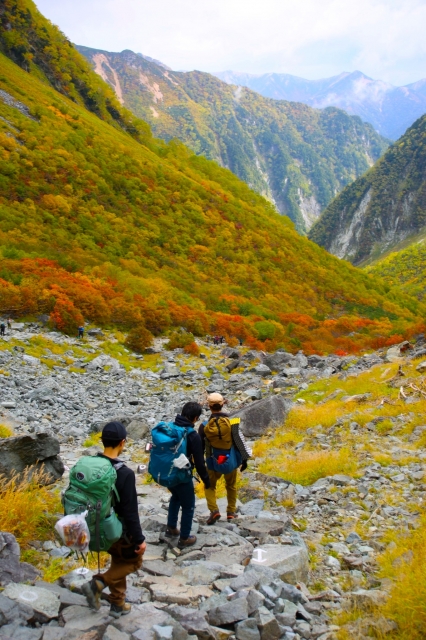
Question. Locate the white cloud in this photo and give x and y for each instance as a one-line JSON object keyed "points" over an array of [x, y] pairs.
{"points": [[312, 38]]}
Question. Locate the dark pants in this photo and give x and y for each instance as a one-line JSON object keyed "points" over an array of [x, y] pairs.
{"points": [[183, 495]]}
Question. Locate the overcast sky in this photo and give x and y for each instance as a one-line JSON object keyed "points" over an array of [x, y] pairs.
{"points": [[310, 38]]}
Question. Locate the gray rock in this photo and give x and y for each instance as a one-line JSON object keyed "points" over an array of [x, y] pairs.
{"points": [[66, 597], [137, 429], [12, 611], [265, 526], [255, 599], [253, 507], [38, 452], [16, 631], [230, 612], [341, 480], [292, 594], [253, 393], [262, 370], [163, 632], [247, 630], [246, 580], [291, 372], [194, 621], [233, 364], [159, 568], [44, 603], [290, 561], [103, 361], [276, 360], [267, 624], [262, 414], [112, 633], [75, 579], [230, 352], [11, 569]]}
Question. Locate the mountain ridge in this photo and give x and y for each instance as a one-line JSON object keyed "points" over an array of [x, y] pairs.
{"points": [[383, 208], [391, 110], [297, 157]]}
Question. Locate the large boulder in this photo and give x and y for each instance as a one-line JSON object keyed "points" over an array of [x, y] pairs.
{"points": [[257, 417], [290, 561], [276, 360], [137, 429], [32, 453], [11, 569]]}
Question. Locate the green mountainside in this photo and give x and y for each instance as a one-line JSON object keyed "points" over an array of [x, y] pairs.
{"points": [[296, 156], [405, 269], [100, 225], [383, 208]]}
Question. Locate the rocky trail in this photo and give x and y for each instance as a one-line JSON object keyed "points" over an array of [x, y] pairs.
{"points": [[301, 555]]}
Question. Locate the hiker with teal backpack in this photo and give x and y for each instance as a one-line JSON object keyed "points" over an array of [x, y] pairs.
{"points": [[105, 489], [176, 450]]}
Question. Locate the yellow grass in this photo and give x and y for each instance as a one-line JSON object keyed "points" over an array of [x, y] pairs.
{"points": [[26, 507], [93, 439], [406, 565], [5, 432], [308, 466]]}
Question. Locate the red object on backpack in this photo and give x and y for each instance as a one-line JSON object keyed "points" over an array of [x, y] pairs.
{"points": [[222, 458]]}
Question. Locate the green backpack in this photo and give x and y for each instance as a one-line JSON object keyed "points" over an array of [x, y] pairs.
{"points": [[92, 488]]}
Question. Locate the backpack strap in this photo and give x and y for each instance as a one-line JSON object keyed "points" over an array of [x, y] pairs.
{"points": [[218, 427]]}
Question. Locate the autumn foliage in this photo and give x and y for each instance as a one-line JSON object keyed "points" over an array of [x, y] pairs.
{"points": [[95, 225]]}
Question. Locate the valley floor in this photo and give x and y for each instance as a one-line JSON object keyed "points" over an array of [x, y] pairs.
{"points": [[334, 496]]}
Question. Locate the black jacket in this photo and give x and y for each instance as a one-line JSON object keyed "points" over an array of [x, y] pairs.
{"points": [[127, 508], [195, 450]]}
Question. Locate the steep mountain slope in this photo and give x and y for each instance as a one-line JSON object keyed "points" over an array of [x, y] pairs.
{"points": [[391, 110], [405, 269], [382, 208], [297, 157], [42, 50], [95, 225]]}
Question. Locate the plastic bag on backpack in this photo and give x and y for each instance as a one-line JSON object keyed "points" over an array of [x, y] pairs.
{"points": [[74, 532]]}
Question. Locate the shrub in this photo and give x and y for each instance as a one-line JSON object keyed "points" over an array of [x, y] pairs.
{"points": [[192, 349], [179, 340], [138, 339], [25, 506]]}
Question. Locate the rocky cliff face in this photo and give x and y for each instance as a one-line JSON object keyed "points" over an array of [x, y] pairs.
{"points": [[382, 208], [297, 157]]}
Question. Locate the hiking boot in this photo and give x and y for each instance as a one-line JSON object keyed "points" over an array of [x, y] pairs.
{"points": [[172, 533], [92, 590], [214, 515], [231, 516], [120, 610], [187, 542]]}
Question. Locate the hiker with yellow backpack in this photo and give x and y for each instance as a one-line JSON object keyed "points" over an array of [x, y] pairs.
{"points": [[226, 451]]}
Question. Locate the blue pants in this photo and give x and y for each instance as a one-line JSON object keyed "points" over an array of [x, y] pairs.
{"points": [[183, 495]]}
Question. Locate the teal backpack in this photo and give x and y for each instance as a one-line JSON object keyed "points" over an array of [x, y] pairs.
{"points": [[168, 443], [92, 488]]}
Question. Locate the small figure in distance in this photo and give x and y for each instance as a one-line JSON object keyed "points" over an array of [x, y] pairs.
{"points": [[2, 328], [126, 554], [9, 324], [183, 494], [226, 450], [80, 332]]}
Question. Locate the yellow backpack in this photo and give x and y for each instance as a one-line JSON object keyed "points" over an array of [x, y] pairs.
{"points": [[218, 432]]}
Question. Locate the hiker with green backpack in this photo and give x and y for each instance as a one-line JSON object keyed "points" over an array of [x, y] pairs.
{"points": [[104, 489], [176, 450]]}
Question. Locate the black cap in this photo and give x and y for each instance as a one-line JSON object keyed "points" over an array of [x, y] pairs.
{"points": [[114, 431]]}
